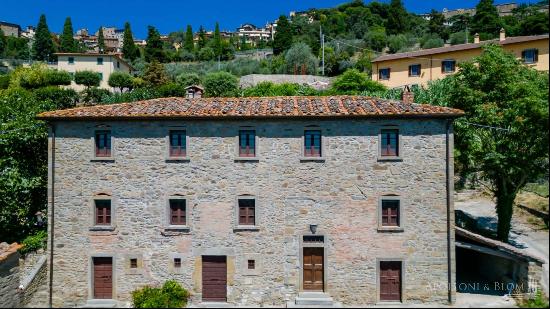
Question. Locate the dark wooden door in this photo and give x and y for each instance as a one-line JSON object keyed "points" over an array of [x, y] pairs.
{"points": [[214, 278], [103, 278], [313, 269], [390, 281]]}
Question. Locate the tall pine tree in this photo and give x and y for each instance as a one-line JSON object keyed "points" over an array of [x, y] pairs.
{"points": [[217, 41], [43, 48], [486, 21], [283, 37], [153, 49], [67, 43], [398, 18], [100, 40], [129, 49], [188, 44]]}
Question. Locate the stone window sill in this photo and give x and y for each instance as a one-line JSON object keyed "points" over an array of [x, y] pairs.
{"points": [[247, 159], [176, 230], [246, 228], [312, 159], [390, 159], [177, 159], [103, 159], [389, 229], [102, 228]]}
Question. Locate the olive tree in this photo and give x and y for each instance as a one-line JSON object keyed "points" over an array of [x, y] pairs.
{"points": [[121, 80]]}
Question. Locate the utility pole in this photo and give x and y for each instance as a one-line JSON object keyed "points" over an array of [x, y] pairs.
{"points": [[322, 37]]}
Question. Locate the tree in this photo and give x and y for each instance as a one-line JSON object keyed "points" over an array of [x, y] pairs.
{"points": [[188, 79], [87, 78], [154, 49], [67, 43], [397, 43], [207, 54], [155, 74], [355, 82], [398, 18], [2, 43], [486, 21], [376, 38], [220, 84], [437, 24], [458, 38], [497, 91], [217, 41], [534, 24], [431, 41], [300, 60], [202, 38], [43, 48], [121, 80], [189, 45], [283, 37], [129, 49], [101, 40]]}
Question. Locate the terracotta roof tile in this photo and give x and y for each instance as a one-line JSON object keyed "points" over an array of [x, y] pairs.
{"points": [[271, 107]]}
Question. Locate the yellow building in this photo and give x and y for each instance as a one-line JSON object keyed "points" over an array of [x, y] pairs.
{"points": [[420, 67], [104, 64]]}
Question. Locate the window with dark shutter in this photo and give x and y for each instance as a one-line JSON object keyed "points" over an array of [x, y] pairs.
{"points": [[178, 143], [177, 262], [133, 263], [389, 143], [102, 212], [414, 70], [448, 66], [247, 143], [247, 209], [384, 74], [312, 143], [390, 213], [530, 55], [177, 212], [103, 143], [251, 264]]}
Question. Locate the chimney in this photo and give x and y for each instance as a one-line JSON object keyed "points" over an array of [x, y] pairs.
{"points": [[408, 95], [502, 35], [476, 38]]}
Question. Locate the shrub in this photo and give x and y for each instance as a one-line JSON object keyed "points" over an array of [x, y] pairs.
{"points": [[58, 78], [537, 302], [458, 38], [376, 38], [138, 94], [171, 295], [300, 60], [172, 90], [354, 82], [155, 74], [220, 84], [269, 89], [34, 242], [188, 79], [4, 81], [87, 78], [431, 41], [397, 43], [94, 95], [207, 54], [121, 80], [63, 98]]}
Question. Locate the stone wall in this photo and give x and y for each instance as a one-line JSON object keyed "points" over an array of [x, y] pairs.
{"points": [[340, 194], [317, 82], [33, 279], [9, 275]]}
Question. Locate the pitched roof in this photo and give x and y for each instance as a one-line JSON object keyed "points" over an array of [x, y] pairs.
{"points": [[270, 107], [459, 47]]}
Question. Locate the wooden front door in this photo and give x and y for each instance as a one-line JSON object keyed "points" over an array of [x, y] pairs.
{"points": [[313, 269], [214, 278], [103, 277], [390, 281]]}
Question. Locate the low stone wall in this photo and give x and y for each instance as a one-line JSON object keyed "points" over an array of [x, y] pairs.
{"points": [[9, 275], [317, 82], [33, 277]]}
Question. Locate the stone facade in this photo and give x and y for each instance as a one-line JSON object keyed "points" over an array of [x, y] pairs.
{"points": [[340, 194], [9, 275]]}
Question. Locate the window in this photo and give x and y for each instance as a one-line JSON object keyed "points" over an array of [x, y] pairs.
{"points": [[71, 60], [384, 74], [177, 262], [178, 147], [177, 212], [118, 64], [247, 209], [103, 143], [312, 143], [414, 70], [247, 143], [389, 143], [530, 55], [99, 61], [103, 212], [133, 263], [448, 66], [390, 281], [390, 213], [251, 264]]}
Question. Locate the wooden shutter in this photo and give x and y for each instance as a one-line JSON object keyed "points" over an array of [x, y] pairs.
{"points": [[102, 212], [312, 143], [178, 143], [177, 212], [103, 143], [390, 281], [389, 142], [536, 55], [390, 213], [247, 211], [247, 143]]}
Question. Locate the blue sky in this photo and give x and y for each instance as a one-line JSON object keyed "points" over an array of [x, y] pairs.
{"points": [[173, 15]]}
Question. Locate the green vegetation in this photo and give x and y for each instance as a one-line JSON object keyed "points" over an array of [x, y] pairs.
{"points": [[67, 43], [540, 189], [220, 84], [87, 78], [539, 301], [101, 40], [170, 295], [33, 243], [129, 49], [43, 47], [121, 81], [355, 82]]}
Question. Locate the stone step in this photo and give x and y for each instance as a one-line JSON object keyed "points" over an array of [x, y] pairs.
{"points": [[100, 303], [314, 299]]}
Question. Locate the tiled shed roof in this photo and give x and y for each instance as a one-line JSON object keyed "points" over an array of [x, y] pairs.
{"points": [[270, 107]]}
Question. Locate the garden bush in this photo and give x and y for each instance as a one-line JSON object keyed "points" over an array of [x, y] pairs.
{"points": [[58, 78], [220, 84], [355, 82], [188, 79], [64, 98], [170, 295], [87, 78], [172, 90], [121, 80], [34, 242]]}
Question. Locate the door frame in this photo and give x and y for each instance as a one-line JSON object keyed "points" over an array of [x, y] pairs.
{"points": [[402, 280], [91, 273], [324, 246]]}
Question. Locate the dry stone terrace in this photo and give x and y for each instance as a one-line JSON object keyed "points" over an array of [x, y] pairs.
{"points": [[321, 225]]}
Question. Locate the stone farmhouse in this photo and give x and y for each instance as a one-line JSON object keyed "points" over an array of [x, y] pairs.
{"points": [[283, 201]]}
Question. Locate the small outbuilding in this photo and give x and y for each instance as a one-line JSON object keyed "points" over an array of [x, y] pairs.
{"points": [[194, 91]]}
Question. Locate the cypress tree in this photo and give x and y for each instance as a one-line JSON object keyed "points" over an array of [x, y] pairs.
{"points": [[153, 49], [398, 18], [2, 43], [486, 21], [202, 37], [188, 43], [67, 43], [100, 40], [43, 48], [283, 37], [129, 49], [217, 42]]}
